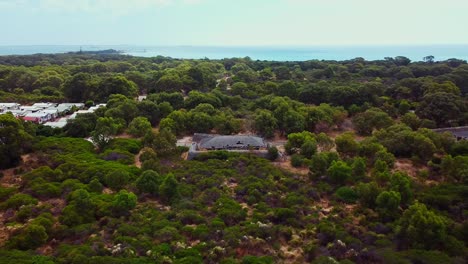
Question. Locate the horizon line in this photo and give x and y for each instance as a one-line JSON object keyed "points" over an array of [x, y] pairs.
{"points": [[247, 46]]}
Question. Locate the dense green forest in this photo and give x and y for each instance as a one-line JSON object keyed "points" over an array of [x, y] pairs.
{"points": [[360, 176]]}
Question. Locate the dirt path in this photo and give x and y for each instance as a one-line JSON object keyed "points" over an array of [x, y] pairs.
{"points": [[184, 142], [137, 159], [123, 135]]}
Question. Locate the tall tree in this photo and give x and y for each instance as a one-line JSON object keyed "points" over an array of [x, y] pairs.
{"points": [[149, 182], [163, 142], [421, 228], [265, 123], [116, 84], [168, 191], [444, 108], [139, 127], [106, 127], [80, 87], [123, 202], [13, 139]]}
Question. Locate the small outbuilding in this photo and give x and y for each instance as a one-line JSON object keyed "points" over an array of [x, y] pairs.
{"points": [[44, 105], [52, 111], [30, 108], [5, 107], [38, 117], [58, 123]]}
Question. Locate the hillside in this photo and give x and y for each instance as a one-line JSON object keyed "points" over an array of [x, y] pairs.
{"points": [[355, 170]]}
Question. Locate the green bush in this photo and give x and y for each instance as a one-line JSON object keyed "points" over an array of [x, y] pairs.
{"points": [[24, 257], [257, 260], [18, 200], [230, 211], [149, 182], [118, 155], [139, 126], [169, 189], [24, 213], [219, 154], [123, 202], [339, 172], [167, 234], [422, 228], [297, 160], [116, 180], [346, 194], [46, 190], [310, 251], [182, 149], [126, 144], [272, 153], [31, 237], [426, 257], [95, 186], [64, 145], [283, 215], [5, 192]]}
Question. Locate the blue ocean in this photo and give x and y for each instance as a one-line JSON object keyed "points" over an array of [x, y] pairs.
{"points": [[275, 53]]}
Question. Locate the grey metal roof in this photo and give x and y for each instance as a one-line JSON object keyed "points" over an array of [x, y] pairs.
{"points": [[460, 133], [236, 141]]}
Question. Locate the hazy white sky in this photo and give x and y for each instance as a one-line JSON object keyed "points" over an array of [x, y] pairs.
{"points": [[233, 22]]}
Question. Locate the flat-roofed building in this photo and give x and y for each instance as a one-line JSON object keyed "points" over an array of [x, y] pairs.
{"points": [[460, 133], [44, 105], [16, 113], [38, 117], [96, 107], [53, 112], [4, 107], [61, 109], [228, 142], [58, 123], [30, 108], [73, 116], [203, 143]]}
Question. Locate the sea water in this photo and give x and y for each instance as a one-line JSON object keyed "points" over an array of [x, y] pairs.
{"points": [[275, 53]]}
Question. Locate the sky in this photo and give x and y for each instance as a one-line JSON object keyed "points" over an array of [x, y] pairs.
{"points": [[233, 22]]}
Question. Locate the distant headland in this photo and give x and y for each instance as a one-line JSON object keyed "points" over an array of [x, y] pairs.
{"points": [[97, 52]]}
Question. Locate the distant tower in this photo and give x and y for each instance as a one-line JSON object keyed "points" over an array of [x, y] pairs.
{"points": [[81, 51]]}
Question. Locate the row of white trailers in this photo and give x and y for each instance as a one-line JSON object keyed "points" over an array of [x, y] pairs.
{"points": [[48, 114]]}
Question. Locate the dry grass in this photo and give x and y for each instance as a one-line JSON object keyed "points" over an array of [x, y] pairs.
{"points": [[4, 232], [291, 254], [28, 163], [286, 165], [56, 205]]}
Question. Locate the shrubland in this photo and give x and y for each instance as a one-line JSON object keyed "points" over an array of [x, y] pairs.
{"points": [[373, 182]]}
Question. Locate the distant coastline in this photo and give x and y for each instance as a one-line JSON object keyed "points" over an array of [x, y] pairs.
{"points": [[274, 53], [97, 52]]}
